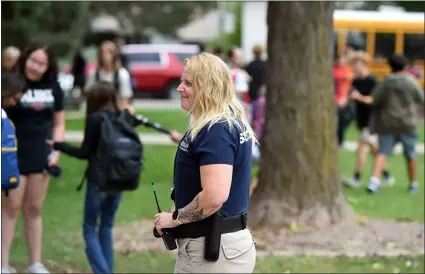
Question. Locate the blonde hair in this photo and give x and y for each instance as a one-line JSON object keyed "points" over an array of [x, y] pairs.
{"points": [[11, 51], [215, 98]]}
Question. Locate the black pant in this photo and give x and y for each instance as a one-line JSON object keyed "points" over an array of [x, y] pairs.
{"points": [[344, 115]]}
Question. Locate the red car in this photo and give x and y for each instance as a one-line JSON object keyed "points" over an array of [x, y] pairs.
{"points": [[157, 68]]}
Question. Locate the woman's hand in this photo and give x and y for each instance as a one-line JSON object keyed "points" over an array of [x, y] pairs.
{"points": [[53, 158], [175, 136], [129, 108], [164, 220]]}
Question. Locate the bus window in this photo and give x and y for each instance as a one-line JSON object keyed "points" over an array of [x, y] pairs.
{"points": [[356, 40], [414, 46], [384, 45]]}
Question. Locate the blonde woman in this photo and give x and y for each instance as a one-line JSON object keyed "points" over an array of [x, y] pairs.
{"points": [[212, 173], [110, 70]]}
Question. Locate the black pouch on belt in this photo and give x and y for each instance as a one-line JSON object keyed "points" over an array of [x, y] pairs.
{"points": [[213, 238]]}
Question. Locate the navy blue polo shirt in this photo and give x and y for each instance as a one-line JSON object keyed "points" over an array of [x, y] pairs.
{"points": [[219, 144]]}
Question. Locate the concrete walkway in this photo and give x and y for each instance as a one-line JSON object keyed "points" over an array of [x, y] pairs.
{"points": [[161, 139], [139, 104], [151, 104]]}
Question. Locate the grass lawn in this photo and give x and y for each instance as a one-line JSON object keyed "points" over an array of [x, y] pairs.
{"points": [[63, 245], [179, 120]]}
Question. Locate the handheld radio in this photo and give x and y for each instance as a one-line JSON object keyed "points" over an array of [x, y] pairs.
{"points": [[167, 236]]}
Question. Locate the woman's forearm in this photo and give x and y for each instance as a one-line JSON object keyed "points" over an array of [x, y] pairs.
{"points": [[200, 208], [71, 150], [59, 126], [59, 133]]}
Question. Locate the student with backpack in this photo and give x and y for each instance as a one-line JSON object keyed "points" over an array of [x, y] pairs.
{"points": [[12, 89], [114, 154], [111, 70]]}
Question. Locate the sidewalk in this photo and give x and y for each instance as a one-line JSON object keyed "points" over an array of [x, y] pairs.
{"points": [[147, 138], [162, 139], [139, 104]]}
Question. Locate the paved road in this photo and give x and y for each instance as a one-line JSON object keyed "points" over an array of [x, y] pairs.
{"points": [[161, 139]]}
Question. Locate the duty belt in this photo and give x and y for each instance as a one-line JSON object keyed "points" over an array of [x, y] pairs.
{"points": [[200, 229]]}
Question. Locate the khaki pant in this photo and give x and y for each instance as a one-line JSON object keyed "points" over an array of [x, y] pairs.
{"points": [[237, 255]]}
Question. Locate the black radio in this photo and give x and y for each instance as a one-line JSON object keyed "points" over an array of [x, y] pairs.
{"points": [[167, 236]]}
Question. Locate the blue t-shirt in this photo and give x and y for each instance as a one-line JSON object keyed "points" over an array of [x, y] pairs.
{"points": [[216, 145]]}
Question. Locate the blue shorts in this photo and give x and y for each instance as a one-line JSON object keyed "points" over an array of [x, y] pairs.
{"points": [[387, 143]]}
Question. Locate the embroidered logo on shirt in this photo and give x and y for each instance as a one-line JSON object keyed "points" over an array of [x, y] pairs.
{"points": [[184, 145], [244, 137]]}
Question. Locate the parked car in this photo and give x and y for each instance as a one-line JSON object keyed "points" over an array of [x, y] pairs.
{"points": [[154, 69], [157, 68]]}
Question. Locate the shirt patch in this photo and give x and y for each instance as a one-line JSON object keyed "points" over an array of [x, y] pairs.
{"points": [[184, 144]]}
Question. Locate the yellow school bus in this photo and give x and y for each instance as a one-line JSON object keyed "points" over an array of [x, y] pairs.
{"points": [[381, 34]]}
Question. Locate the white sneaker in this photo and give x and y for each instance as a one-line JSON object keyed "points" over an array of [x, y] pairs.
{"points": [[8, 269], [388, 181], [37, 268], [373, 185], [350, 182]]}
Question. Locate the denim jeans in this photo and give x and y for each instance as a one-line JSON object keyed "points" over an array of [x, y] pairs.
{"points": [[98, 239]]}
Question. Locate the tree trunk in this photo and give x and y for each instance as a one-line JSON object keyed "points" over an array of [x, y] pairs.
{"points": [[299, 181]]}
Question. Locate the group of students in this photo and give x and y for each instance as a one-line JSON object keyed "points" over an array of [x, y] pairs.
{"points": [[385, 113], [33, 107], [34, 119]]}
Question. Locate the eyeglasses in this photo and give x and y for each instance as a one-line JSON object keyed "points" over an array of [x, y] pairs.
{"points": [[40, 64]]}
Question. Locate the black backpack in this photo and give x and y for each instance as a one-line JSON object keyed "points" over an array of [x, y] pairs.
{"points": [[118, 160]]}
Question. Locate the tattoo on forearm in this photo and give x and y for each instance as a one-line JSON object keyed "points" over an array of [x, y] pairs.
{"points": [[192, 212]]}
